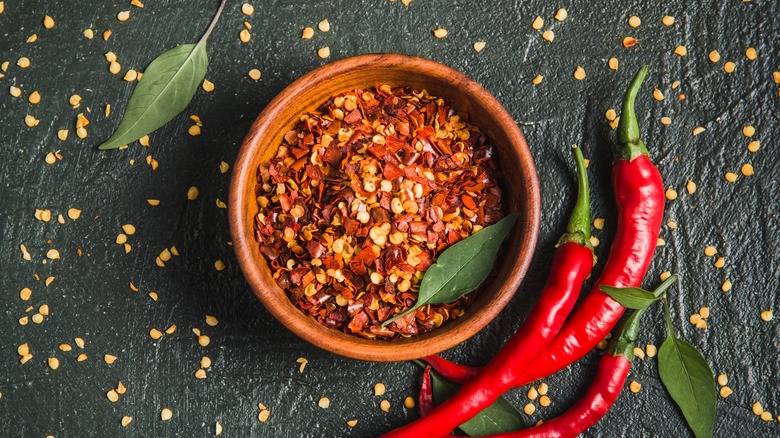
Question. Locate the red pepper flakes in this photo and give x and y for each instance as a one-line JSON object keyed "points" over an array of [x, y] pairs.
{"points": [[362, 196]]}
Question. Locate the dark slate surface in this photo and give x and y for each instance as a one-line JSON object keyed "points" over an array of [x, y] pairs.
{"points": [[254, 360]]}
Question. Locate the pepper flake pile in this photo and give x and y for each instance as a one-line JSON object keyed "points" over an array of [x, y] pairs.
{"points": [[361, 198]]}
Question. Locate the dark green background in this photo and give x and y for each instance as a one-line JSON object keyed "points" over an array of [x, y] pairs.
{"points": [[254, 359]]}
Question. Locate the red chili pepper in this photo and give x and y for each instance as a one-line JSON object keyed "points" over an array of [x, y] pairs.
{"points": [[639, 196], [571, 265], [425, 400], [601, 394]]}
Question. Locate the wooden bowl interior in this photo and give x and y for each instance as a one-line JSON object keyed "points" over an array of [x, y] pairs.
{"points": [[520, 189]]}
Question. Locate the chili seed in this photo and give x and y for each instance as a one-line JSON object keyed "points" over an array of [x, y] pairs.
{"points": [[123, 16], [166, 414], [538, 23], [747, 169], [548, 35], [208, 86], [579, 73], [379, 389], [751, 54], [384, 405], [15, 91], [201, 374], [729, 66], [532, 393], [323, 26], [254, 74], [658, 95], [766, 416], [757, 408], [155, 334], [630, 41], [353, 423], [720, 262], [690, 186], [561, 14], [671, 194], [112, 396], [244, 36], [529, 409], [710, 251], [440, 32], [726, 286], [714, 56], [748, 131], [192, 193], [698, 130], [723, 379], [23, 62], [479, 45], [635, 386], [537, 79], [544, 401], [704, 312], [638, 352], [247, 9], [34, 98], [543, 388], [667, 20], [680, 51], [31, 121], [323, 52], [303, 362], [766, 315], [651, 350], [634, 21], [324, 403], [613, 63], [731, 177], [126, 420], [109, 358], [48, 22], [263, 415], [307, 33], [409, 403], [754, 146]]}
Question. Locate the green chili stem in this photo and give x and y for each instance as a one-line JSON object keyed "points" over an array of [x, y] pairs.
{"points": [[624, 345], [665, 285], [578, 230], [579, 222], [213, 22], [631, 146]]}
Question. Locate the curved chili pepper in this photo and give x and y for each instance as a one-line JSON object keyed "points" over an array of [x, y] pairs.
{"points": [[425, 400], [601, 394], [639, 197], [571, 265]]}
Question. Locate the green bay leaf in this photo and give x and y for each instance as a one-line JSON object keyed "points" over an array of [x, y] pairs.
{"points": [[462, 267], [500, 417], [690, 382], [164, 91], [630, 297]]}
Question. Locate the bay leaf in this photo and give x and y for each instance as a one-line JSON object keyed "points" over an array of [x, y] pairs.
{"points": [[462, 267], [636, 298]]}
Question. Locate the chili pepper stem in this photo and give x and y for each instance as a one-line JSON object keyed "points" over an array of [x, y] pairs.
{"points": [[578, 230], [631, 146]]}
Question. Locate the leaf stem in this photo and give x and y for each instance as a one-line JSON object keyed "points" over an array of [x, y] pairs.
{"points": [[665, 285], [669, 326], [212, 24]]}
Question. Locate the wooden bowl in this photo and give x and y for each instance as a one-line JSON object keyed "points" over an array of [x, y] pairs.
{"points": [[520, 194]]}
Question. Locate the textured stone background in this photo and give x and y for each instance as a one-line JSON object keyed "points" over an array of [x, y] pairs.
{"points": [[254, 360]]}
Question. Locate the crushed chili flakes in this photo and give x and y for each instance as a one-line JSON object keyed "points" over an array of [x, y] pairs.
{"points": [[362, 196]]}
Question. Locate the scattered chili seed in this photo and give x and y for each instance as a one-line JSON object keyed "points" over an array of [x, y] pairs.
{"points": [[15, 91], [323, 52], [710, 251], [543, 388], [751, 54], [208, 86], [324, 403], [766, 416], [48, 22], [658, 95], [201, 374], [635, 386], [671, 194], [548, 35], [747, 169], [194, 130], [53, 254], [714, 56], [538, 23], [112, 396], [698, 130], [720, 262], [255, 74], [651, 350], [630, 41], [613, 63], [529, 409], [638, 352], [690, 187], [561, 14], [634, 21], [729, 67], [31, 121], [192, 193], [537, 79], [211, 321], [579, 73], [155, 334], [44, 310], [166, 414], [244, 36], [303, 362], [123, 16], [726, 286], [204, 340], [611, 115], [440, 32], [109, 358], [247, 9], [171, 330], [409, 403], [479, 45], [680, 51], [754, 146], [307, 33], [666, 120], [219, 265], [34, 98], [544, 401], [384, 405], [757, 408], [323, 25], [748, 131], [731, 177], [532, 393], [353, 423], [766, 315], [667, 20]]}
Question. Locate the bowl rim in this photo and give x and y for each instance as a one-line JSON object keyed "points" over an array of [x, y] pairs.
{"points": [[303, 325]]}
